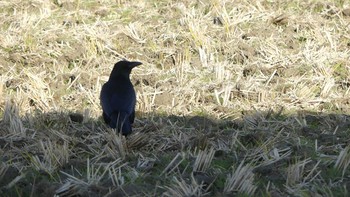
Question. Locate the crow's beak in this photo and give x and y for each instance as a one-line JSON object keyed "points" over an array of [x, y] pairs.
{"points": [[134, 64]]}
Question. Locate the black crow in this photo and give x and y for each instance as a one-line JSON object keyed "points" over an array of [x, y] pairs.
{"points": [[118, 97]]}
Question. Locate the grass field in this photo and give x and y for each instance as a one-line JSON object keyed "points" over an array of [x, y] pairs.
{"points": [[234, 98]]}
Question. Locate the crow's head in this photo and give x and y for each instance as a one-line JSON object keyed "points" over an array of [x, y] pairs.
{"points": [[123, 68]]}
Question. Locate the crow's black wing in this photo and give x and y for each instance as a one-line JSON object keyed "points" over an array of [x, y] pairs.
{"points": [[116, 99]]}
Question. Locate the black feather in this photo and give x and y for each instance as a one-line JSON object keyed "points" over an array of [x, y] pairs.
{"points": [[118, 98]]}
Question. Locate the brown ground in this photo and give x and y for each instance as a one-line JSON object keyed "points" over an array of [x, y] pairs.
{"points": [[235, 98]]}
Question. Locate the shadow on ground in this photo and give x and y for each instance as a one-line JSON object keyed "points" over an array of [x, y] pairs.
{"points": [[260, 153]]}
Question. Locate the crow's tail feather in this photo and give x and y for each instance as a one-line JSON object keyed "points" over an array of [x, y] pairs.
{"points": [[120, 121]]}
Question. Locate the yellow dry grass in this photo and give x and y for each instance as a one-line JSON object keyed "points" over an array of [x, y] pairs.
{"points": [[236, 78]]}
